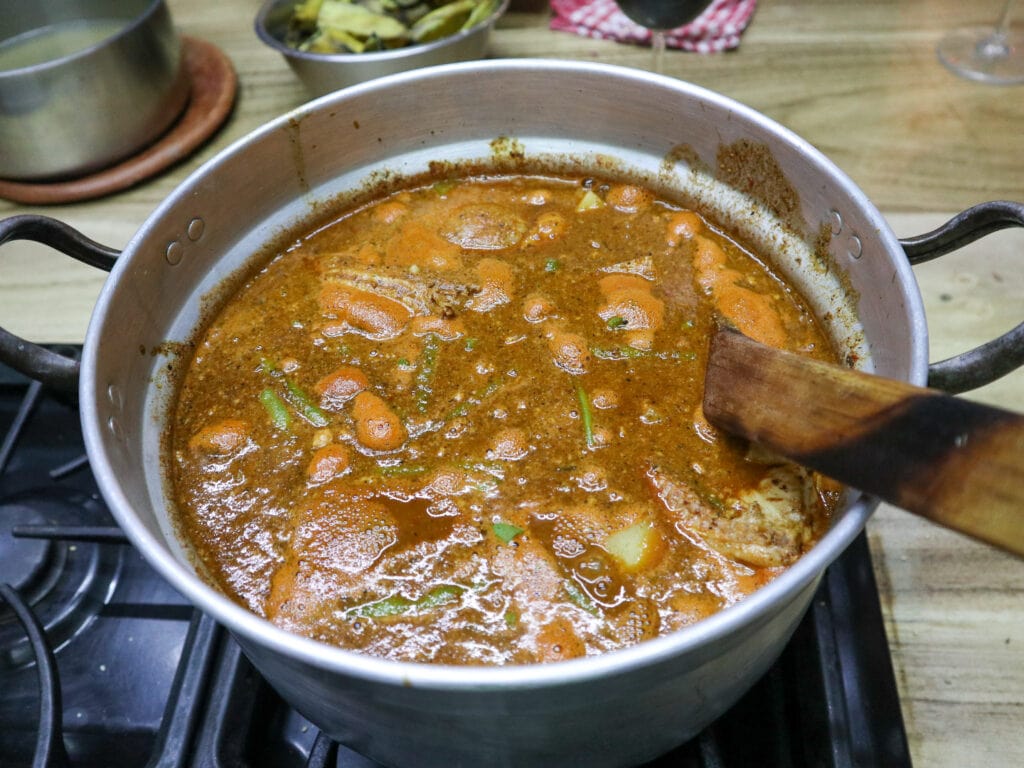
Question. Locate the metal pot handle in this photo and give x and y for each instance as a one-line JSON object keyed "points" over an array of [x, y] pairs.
{"points": [[985, 363], [39, 363], [960, 373]]}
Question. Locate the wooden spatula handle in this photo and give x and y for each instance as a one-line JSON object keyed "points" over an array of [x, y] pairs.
{"points": [[953, 461]]}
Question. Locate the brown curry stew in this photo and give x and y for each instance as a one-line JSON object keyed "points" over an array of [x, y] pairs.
{"points": [[462, 424]]}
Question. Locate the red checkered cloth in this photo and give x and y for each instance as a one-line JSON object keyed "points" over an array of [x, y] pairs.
{"points": [[718, 28]]}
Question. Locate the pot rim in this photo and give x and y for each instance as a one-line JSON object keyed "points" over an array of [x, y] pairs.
{"points": [[717, 628]]}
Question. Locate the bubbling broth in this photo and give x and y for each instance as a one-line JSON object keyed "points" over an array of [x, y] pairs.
{"points": [[462, 424]]}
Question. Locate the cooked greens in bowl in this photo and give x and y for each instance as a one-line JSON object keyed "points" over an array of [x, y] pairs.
{"points": [[359, 26], [331, 44]]}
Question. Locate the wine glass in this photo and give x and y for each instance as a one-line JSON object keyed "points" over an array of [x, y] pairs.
{"points": [[659, 16], [987, 54]]}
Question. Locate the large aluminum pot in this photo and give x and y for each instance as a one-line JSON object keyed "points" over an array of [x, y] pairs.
{"points": [[622, 708]]}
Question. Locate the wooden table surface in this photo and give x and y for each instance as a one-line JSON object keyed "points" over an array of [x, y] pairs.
{"points": [[861, 82]]}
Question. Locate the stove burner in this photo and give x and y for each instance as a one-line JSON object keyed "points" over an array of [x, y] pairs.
{"points": [[50, 750], [23, 562], [66, 583]]}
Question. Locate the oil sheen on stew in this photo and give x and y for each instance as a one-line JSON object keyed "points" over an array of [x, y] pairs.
{"points": [[462, 425]]}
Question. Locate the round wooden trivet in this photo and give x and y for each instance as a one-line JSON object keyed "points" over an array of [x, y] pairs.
{"points": [[214, 85]]}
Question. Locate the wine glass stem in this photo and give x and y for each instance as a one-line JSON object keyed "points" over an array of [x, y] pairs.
{"points": [[994, 45], [1004, 18], [658, 50]]}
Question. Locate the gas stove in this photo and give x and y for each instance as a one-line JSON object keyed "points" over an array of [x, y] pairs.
{"points": [[102, 663]]}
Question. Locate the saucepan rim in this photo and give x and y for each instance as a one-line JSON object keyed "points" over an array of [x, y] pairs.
{"points": [[143, 16]]}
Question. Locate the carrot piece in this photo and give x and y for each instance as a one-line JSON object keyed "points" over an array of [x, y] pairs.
{"points": [[419, 244], [683, 225], [338, 387], [549, 226], [223, 437], [327, 463], [389, 211], [569, 351], [445, 328], [631, 308], [629, 198], [370, 314], [752, 313], [497, 284], [557, 640], [537, 308], [377, 425], [708, 254]]}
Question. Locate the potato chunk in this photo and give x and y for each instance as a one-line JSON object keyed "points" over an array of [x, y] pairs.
{"points": [[636, 547]]}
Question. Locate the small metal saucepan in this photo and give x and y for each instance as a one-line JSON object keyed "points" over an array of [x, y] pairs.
{"points": [[758, 179], [84, 84]]}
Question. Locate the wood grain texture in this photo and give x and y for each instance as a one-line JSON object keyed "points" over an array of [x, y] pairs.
{"points": [[953, 461], [862, 83]]}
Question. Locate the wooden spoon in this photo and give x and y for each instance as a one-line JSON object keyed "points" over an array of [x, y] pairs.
{"points": [[958, 463]]}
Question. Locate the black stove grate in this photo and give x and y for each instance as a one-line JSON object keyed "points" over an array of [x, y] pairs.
{"points": [[137, 677]]}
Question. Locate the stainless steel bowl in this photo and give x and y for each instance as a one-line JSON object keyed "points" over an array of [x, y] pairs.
{"points": [[84, 83], [322, 73]]}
